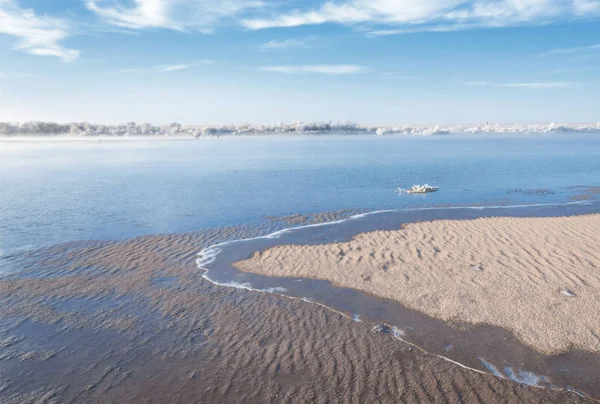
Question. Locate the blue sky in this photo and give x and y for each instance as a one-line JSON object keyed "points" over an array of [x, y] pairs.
{"points": [[263, 61]]}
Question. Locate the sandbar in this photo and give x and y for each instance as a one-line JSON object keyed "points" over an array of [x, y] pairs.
{"points": [[537, 277]]}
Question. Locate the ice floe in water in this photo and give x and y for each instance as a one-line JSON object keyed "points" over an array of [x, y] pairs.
{"points": [[387, 329]]}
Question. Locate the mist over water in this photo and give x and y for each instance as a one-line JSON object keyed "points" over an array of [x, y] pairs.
{"points": [[61, 191]]}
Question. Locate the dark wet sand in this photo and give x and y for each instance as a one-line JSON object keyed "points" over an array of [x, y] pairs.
{"points": [[134, 321]]}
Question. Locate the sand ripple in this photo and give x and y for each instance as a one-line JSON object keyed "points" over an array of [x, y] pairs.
{"points": [[538, 277]]}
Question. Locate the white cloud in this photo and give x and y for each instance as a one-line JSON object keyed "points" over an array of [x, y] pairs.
{"points": [[179, 15], [37, 35], [281, 44], [536, 85], [586, 7], [569, 70], [431, 15], [356, 11], [172, 68], [145, 14], [168, 68], [427, 28], [321, 69], [577, 49]]}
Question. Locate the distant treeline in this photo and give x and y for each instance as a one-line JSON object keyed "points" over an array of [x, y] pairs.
{"points": [[173, 129], [87, 129], [176, 129]]}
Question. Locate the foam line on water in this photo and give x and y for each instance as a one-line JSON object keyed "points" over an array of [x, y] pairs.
{"points": [[209, 254]]}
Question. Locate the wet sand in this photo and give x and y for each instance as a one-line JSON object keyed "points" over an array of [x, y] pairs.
{"points": [[134, 321], [537, 277]]}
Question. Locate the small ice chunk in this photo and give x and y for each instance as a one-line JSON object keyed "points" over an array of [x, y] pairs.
{"points": [[568, 293], [387, 329], [382, 328], [398, 333]]}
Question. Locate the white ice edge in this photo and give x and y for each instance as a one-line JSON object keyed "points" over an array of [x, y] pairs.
{"points": [[522, 377]]}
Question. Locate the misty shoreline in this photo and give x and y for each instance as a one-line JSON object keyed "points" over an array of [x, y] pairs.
{"points": [[175, 130]]}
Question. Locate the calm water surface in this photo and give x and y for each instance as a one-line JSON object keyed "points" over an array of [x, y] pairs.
{"points": [[61, 191]]}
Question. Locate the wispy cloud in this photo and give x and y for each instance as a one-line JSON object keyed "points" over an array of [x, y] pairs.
{"points": [[320, 69], [180, 15], [568, 70], [37, 35], [282, 44], [405, 16], [578, 49], [168, 68], [535, 85], [172, 68], [424, 28]]}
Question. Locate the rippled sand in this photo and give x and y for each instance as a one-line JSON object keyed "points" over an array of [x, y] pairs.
{"points": [[134, 321], [538, 277]]}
